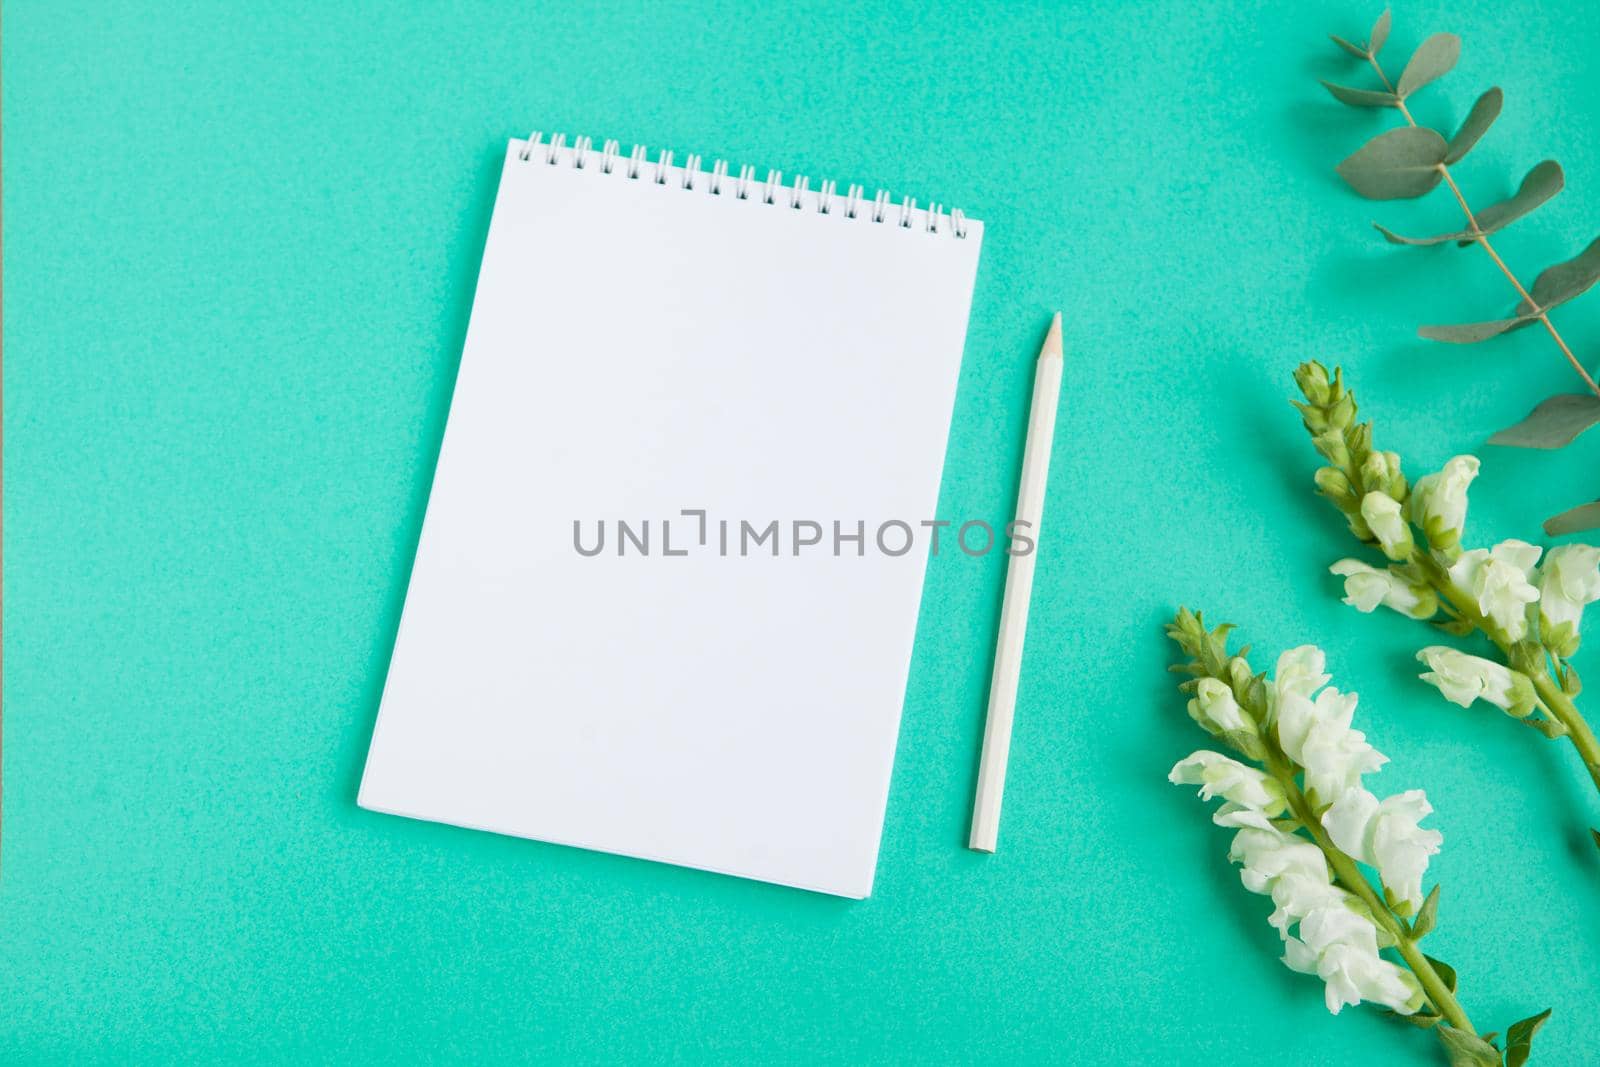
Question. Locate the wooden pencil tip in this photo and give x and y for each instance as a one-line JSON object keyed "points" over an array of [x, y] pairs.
{"points": [[1052, 340]]}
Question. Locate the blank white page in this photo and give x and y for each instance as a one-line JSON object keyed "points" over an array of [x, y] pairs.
{"points": [[638, 349]]}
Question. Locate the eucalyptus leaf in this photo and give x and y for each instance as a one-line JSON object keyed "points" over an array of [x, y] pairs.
{"points": [[1395, 165], [1555, 423], [1361, 97], [1542, 182], [1470, 333], [1519, 1039], [1582, 517], [1560, 283], [1476, 124], [1432, 59], [1466, 1049], [1379, 34], [1555, 286], [1359, 53], [1428, 916], [1463, 236]]}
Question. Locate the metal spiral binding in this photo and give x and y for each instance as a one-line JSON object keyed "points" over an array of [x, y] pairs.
{"points": [[744, 186]]}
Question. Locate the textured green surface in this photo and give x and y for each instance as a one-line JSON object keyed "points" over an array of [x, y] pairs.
{"points": [[239, 252]]}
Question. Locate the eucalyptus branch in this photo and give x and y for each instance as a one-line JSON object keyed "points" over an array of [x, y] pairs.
{"points": [[1477, 235], [1410, 161], [1529, 611], [1304, 824]]}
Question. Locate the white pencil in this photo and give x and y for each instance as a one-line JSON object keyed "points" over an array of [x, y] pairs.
{"points": [[1019, 588]]}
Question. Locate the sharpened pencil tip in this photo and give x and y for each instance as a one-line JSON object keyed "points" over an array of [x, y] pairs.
{"points": [[1052, 340]]}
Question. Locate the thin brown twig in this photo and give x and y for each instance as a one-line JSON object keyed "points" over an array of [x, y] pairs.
{"points": [[1483, 239]]}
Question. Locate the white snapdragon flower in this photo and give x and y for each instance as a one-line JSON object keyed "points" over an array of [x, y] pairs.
{"points": [[1569, 580], [1388, 524], [1384, 835], [1265, 853], [1288, 868], [1463, 679], [1297, 896], [1217, 711], [1220, 776], [1340, 947], [1367, 587], [1439, 502], [1316, 733], [1300, 672], [1498, 580]]}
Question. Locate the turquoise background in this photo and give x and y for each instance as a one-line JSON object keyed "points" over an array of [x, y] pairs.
{"points": [[239, 253]]}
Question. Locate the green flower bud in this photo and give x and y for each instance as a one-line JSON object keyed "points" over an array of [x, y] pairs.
{"points": [[1333, 484], [1342, 412], [1380, 473], [1523, 697], [1240, 674], [1332, 446], [1311, 415], [1561, 639], [1527, 657], [1312, 378], [1359, 437]]}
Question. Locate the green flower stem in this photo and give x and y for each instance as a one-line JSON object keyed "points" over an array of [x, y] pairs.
{"points": [[1556, 703], [1565, 712], [1348, 876], [1483, 239]]}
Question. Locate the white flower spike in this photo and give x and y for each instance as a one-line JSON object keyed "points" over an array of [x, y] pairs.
{"points": [[1333, 921]]}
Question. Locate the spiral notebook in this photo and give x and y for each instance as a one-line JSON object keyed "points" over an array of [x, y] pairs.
{"points": [[668, 580]]}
